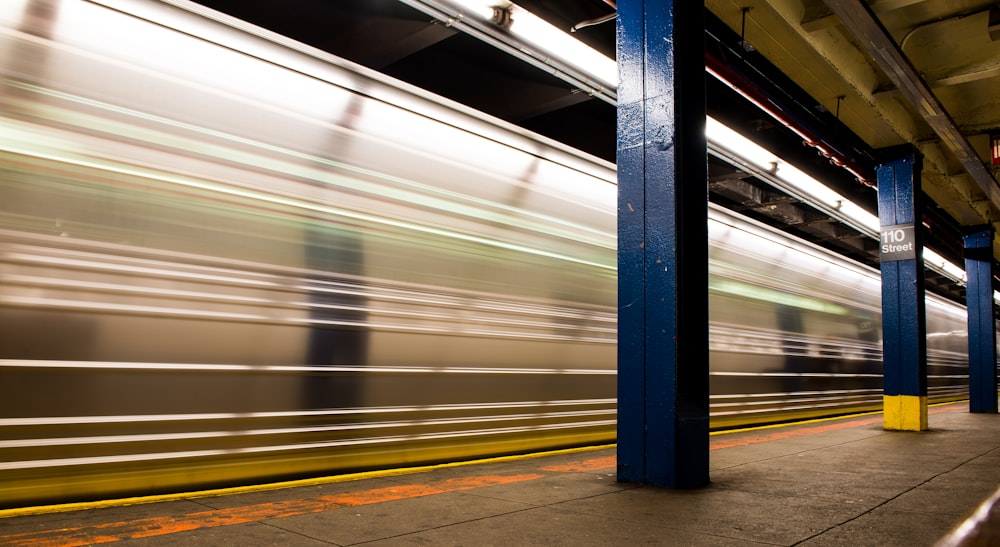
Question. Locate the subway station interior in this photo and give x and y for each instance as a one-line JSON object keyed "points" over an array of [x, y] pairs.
{"points": [[482, 272]]}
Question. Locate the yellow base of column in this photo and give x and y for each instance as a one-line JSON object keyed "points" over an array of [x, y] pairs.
{"points": [[904, 412]]}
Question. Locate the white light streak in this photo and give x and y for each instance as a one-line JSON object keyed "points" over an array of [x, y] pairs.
{"points": [[547, 39]]}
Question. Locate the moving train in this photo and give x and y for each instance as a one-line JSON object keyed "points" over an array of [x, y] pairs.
{"points": [[227, 257]]}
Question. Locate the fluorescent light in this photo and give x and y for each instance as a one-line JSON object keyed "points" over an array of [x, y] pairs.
{"points": [[480, 8], [540, 34], [932, 259], [788, 177], [547, 39], [796, 182]]}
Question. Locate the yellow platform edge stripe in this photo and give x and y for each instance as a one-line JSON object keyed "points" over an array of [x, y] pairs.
{"points": [[121, 502], [138, 500]]}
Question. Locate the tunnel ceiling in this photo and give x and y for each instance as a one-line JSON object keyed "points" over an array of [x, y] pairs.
{"points": [[952, 47], [816, 65]]}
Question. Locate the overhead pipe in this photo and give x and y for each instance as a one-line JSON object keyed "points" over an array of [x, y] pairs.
{"points": [[753, 93], [592, 22]]}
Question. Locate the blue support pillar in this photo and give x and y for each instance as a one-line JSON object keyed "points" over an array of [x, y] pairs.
{"points": [[662, 244], [904, 329], [982, 330]]}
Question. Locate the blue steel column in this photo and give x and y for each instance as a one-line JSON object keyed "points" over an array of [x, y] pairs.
{"points": [[982, 330], [904, 329], [662, 244]]}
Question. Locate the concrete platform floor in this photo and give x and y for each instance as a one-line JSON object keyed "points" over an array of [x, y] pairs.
{"points": [[834, 482]]}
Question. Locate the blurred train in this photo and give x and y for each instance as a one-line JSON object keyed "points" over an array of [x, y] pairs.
{"points": [[227, 257]]}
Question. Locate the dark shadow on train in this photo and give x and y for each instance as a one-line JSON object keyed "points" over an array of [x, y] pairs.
{"points": [[795, 352], [799, 360], [338, 337]]}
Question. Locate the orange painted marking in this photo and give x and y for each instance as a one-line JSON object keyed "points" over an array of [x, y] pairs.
{"points": [[949, 408], [584, 466], [392, 493], [159, 526], [779, 435], [805, 431]]}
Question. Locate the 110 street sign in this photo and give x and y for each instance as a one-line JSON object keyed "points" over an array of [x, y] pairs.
{"points": [[897, 243]]}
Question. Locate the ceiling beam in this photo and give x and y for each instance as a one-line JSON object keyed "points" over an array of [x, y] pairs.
{"points": [[990, 69], [889, 5], [818, 16], [859, 20], [964, 75]]}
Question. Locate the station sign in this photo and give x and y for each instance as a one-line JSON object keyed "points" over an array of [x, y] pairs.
{"points": [[897, 243]]}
